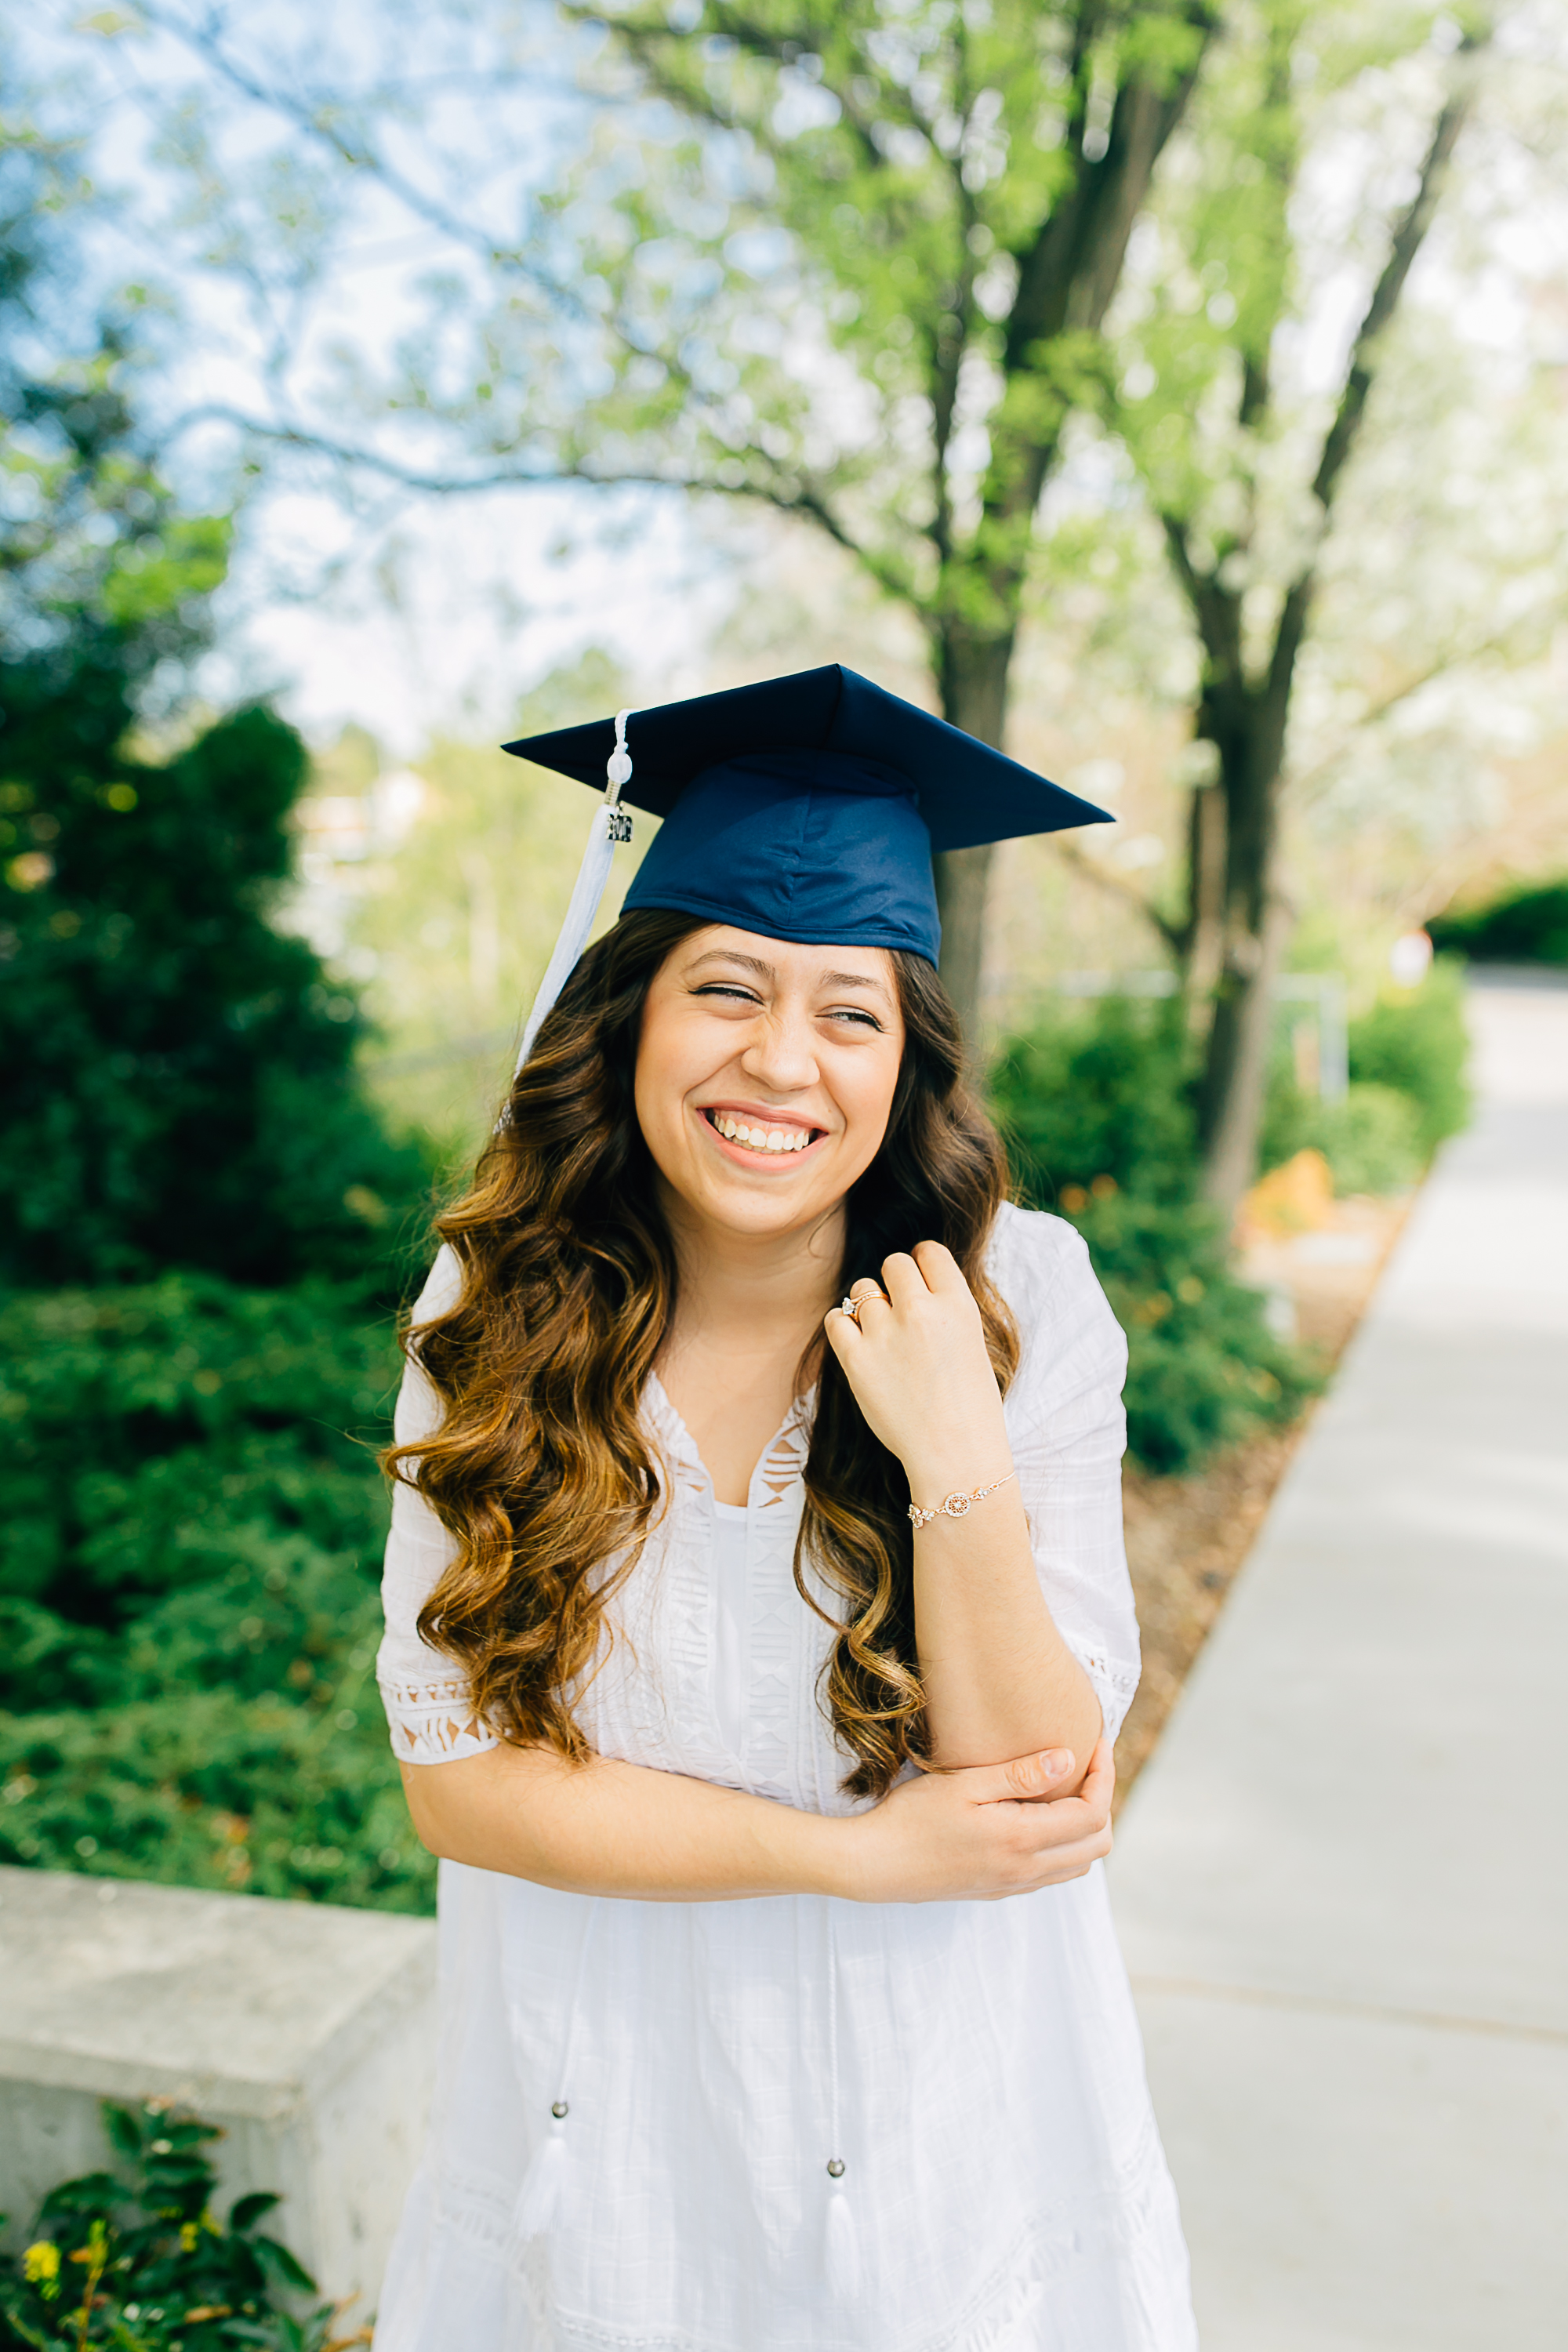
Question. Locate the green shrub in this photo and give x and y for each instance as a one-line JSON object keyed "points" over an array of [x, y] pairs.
{"points": [[178, 1075], [189, 1612], [1407, 1091], [1203, 1368], [1104, 1090], [1097, 1112], [1415, 1040], [1522, 927], [143, 2264], [1372, 1139]]}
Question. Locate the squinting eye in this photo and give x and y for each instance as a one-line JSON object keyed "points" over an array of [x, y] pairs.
{"points": [[848, 1012]]}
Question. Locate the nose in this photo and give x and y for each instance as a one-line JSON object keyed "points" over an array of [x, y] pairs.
{"points": [[781, 1053]]}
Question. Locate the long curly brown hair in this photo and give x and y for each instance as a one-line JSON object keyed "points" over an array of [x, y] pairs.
{"points": [[541, 1468]]}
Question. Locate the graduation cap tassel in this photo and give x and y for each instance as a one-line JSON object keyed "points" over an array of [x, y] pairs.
{"points": [[611, 825]]}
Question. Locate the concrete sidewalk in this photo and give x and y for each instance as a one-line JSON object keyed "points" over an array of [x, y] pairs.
{"points": [[1342, 1883]]}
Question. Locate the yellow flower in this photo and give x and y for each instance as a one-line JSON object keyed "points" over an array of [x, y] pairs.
{"points": [[41, 2265], [189, 2232]]}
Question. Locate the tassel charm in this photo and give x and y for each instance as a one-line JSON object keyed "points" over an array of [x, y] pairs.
{"points": [[611, 825], [843, 2246], [540, 2191]]}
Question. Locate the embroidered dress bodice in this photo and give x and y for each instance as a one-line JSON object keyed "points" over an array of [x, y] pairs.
{"points": [[975, 2067]]}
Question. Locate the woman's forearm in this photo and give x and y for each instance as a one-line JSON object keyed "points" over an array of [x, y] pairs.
{"points": [[999, 1678], [606, 1828], [602, 1828]]}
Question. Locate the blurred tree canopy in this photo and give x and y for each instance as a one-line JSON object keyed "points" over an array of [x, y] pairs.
{"points": [[865, 267], [850, 262]]}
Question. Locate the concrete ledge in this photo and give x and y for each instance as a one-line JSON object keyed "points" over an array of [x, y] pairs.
{"points": [[305, 2031]]}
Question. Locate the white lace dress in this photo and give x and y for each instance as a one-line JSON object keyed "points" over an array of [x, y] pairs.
{"points": [[974, 2068]]}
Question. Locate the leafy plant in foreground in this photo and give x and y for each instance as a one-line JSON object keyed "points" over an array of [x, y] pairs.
{"points": [[144, 2264]]}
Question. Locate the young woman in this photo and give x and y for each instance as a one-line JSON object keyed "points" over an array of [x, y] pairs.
{"points": [[758, 1624]]}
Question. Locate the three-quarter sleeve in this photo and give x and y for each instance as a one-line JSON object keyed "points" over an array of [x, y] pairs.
{"points": [[428, 1708], [1068, 1431]]}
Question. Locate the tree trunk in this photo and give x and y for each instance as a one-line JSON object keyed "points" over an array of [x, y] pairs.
{"points": [[1247, 731], [1203, 947], [971, 672], [1235, 1074]]}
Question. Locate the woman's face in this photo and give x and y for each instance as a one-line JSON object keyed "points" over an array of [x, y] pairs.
{"points": [[765, 1075]]}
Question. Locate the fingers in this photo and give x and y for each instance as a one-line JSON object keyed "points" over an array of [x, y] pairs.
{"points": [[1100, 1780], [1058, 1865], [844, 1328], [1021, 1779], [906, 1284], [910, 1275], [939, 1269]]}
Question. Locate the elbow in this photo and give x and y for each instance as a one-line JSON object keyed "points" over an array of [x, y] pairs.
{"points": [[432, 1826]]}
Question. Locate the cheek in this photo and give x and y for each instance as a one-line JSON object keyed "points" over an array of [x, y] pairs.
{"points": [[658, 1088], [673, 1058], [866, 1098]]}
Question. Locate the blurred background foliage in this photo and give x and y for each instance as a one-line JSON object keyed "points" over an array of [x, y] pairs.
{"points": [[258, 995], [1521, 925], [1098, 1107]]}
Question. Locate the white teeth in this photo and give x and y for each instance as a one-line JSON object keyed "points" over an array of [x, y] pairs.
{"points": [[760, 1138]]}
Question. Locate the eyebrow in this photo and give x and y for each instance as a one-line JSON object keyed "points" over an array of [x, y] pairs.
{"points": [[769, 971]]}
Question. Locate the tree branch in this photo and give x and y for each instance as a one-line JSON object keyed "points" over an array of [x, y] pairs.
{"points": [[790, 498], [321, 132], [1120, 888], [1406, 243], [1443, 667], [1216, 609]]}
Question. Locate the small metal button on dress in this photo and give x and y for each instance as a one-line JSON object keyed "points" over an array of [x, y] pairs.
{"points": [[835, 2167], [559, 2108]]}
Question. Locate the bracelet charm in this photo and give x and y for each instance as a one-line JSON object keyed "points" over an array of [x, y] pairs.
{"points": [[958, 1505]]}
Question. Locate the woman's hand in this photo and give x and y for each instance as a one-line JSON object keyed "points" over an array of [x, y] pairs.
{"points": [[917, 1362], [983, 1833]]}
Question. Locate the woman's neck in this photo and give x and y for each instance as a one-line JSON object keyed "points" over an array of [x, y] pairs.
{"points": [[753, 1292], [747, 1312]]}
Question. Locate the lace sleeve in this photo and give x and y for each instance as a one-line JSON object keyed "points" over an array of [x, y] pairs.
{"points": [[428, 1709], [1068, 1431]]}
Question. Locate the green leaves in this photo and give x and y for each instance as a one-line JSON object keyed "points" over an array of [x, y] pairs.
{"points": [[189, 1618], [1099, 1128], [178, 1084], [139, 2261]]}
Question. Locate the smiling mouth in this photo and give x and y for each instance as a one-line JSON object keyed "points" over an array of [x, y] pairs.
{"points": [[777, 1142]]}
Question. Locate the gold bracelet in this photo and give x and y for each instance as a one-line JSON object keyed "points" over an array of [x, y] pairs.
{"points": [[955, 1507]]}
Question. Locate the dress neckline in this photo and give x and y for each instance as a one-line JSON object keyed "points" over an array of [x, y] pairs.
{"points": [[684, 1445]]}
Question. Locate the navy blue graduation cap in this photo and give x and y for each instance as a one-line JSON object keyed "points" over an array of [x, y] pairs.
{"points": [[804, 808]]}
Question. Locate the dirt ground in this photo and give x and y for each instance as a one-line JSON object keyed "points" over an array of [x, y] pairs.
{"points": [[1188, 1538]]}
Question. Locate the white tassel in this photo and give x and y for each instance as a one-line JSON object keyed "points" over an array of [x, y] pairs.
{"points": [[611, 823], [540, 2191], [843, 2265]]}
